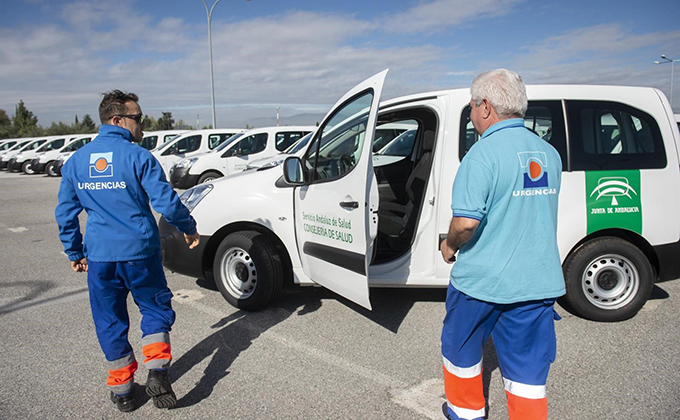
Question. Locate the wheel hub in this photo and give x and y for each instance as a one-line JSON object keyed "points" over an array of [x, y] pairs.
{"points": [[610, 281], [239, 273]]}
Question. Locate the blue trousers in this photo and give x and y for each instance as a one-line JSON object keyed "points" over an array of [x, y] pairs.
{"points": [[524, 337], [109, 284]]}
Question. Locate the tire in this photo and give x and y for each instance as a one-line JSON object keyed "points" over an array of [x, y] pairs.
{"points": [[209, 176], [51, 170], [249, 270], [26, 168], [607, 279]]}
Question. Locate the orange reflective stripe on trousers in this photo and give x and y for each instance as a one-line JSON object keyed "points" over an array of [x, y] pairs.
{"points": [[121, 376], [526, 408]]}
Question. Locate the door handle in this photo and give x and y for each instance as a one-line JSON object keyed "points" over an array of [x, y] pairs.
{"points": [[349, 204]]}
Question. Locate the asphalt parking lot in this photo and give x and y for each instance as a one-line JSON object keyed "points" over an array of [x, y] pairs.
{"points": [[312, 355]]}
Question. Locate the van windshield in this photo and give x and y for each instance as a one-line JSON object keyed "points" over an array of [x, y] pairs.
{"points": [[77, 144], [34, 145], [53, 145], [164, 146], [19, 145], [298, 145], [227, 142], [400, 145]]}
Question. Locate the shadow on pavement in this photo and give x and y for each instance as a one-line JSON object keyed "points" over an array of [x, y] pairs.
{"points": [[234, 334], [36, 288]]}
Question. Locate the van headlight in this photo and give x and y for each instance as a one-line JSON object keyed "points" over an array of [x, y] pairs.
{"points": [[186, 163], [191, 197]]}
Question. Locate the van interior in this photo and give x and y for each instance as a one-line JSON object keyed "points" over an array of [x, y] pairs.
{"points": [[402, 168]]}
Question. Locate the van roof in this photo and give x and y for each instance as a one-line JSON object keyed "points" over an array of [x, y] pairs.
{"points": [[538, 92]]}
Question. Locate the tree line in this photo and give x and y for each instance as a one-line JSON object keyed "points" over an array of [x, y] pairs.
{"points": [[25, 124]]}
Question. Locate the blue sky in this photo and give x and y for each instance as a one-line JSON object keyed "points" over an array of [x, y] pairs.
{"points": [[301, 56]]}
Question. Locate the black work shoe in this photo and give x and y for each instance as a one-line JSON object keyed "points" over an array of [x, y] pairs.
{"points": [[158, 387], [125, 403], [445, 409]]}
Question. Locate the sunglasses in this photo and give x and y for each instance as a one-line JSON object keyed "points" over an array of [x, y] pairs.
{"points": [[137, 117]]}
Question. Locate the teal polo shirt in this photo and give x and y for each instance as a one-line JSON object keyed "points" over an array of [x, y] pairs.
{"points": [[510, 182]]}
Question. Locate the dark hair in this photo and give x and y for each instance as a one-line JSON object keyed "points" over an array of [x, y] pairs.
{"points": [[114, 104]]}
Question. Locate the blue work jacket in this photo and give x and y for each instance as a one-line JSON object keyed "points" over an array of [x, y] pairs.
{"points": [[114, 180]]}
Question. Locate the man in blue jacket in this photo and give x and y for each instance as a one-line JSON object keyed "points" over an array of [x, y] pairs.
{"points": [[114, 180]]}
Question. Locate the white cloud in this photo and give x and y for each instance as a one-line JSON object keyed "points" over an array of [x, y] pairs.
{"points": [[439, 15], [298, 57], [604, 40]]}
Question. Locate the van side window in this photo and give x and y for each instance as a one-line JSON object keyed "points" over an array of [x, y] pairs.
{"points": [[213, 141], [384, 136], [149, 142], [543, 118], [609, 135], [254, 143], [285, 139], [56, 144], [337, 145], [185, 145]]}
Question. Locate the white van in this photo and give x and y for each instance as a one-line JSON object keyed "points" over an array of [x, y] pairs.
{"points": [[18, 158], [189, 144], [24, 161], [6, 144], [7, 154], [153, 139], [331, 218], [384, 134], [296, 148], [65, 153], [234, 154], [47, 155]]}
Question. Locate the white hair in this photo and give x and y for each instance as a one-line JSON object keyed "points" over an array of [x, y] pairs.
{"points": [[504, 89]]}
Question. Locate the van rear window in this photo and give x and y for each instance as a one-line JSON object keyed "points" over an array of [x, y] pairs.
{"points": [[609, 135]]}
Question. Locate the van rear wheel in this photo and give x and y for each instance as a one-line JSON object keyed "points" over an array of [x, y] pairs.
{"points": [[607, 279], [248, 270]]}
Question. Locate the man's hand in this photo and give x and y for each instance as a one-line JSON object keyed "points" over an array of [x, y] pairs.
{"points": [[461, 230], [447, 252], [79, 266], [192, 240]]}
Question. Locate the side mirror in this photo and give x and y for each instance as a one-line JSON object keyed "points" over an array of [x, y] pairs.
{"points": [[292, 171]]}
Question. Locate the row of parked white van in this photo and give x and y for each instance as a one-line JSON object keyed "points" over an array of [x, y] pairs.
{"points": [[187, 157]]}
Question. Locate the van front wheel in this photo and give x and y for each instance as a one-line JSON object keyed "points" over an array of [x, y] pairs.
{"points": [[27, 168], [209, 176], [248, 270], [607, 279], [51, 169]]}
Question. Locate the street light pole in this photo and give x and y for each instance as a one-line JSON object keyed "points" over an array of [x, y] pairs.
{"points": [[212, 80], [666, 61]]}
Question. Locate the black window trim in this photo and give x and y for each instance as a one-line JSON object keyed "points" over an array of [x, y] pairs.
{"points": [[655, 160]]}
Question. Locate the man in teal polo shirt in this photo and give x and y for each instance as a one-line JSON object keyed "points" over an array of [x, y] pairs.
{"points": [[508, 274]]}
